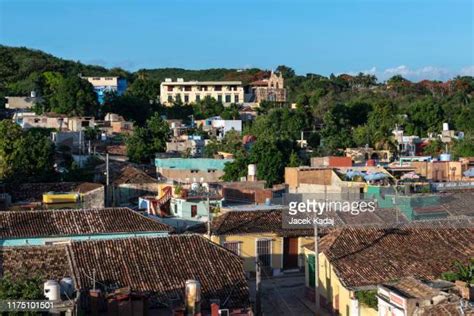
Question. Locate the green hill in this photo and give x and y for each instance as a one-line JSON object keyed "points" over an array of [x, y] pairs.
{"points": [[21, 68], [21, 71]]}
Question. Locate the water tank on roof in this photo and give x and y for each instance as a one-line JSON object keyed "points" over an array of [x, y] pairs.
{"points": [[445, 157], [195, 186], [67, 286], [52, 290], [193, 292], [33, 94], [252, 170]]}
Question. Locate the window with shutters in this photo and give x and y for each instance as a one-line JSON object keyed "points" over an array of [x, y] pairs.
{"points": [[233, 246], [264, 252]]}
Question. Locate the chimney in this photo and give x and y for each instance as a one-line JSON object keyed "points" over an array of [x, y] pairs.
{"points": [[214, 309]]}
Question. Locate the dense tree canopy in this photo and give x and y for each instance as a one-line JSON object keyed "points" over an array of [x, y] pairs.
{"points": [[145, 89], [231, 143], [26, 289], [207, 107], [130, 107], [148, 140], [25, 156], [72, 96], [331, 112]]}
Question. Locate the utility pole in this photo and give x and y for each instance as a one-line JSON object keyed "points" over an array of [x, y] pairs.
{"points": [[316, 258], [107, 179], [80, 142], [316, 268], [258, 290], [208, 216]]}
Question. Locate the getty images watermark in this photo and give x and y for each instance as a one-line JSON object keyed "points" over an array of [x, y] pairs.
{"points": [[337, 210], [307, 210], [313, 211]]}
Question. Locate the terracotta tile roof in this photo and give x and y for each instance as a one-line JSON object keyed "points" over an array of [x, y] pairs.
{"points": [[87, 187], [394, 253], [412, 288], [452, 204], [263, 82], [250, 222], [121, 173], [159, 266], [445, 309], [119, 150], [45, 262], [22, 224], [162, 266], [35, 191]]}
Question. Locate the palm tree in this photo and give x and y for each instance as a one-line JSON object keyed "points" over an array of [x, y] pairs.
{"points": [[461, 272]]}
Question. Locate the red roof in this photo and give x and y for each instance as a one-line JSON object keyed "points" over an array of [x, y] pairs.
{"points": [[263, 82], [365, 257]]}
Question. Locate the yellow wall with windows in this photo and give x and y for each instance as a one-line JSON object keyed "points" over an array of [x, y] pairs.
{"points": [[248, 243], [330, 286]]}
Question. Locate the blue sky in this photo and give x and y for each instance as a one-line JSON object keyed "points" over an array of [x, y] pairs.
{"points": [[417, 38]]}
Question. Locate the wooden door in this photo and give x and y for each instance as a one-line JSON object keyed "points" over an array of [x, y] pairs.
{"points": [[290, 253]]}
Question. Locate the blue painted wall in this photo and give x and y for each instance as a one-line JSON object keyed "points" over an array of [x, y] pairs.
{"points": [[41, 241], [102, 90], [182, 208], [203, 164]]}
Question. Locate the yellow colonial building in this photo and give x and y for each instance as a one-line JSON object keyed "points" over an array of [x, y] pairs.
{"points": [[189, 92], [259, 234], [352, 260]]}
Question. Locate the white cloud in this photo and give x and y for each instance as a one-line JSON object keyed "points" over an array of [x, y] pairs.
{"points": [[371, 71], [467, 71], [400, 70], [417, 74]]}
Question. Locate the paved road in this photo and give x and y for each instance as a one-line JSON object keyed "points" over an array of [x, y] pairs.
{"points": [[283, 296]]}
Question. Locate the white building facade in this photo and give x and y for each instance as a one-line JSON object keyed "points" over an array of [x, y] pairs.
{"points": [[188, 92]]}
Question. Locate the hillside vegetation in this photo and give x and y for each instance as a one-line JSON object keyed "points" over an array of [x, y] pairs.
{"points": [[333, 112]]}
